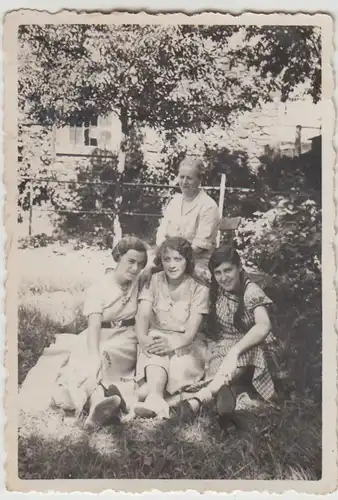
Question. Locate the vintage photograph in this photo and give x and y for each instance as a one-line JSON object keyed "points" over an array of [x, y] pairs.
{"points": [[168, 281]]}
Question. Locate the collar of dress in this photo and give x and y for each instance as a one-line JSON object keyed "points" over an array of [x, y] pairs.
{"points": [[190, 206]]}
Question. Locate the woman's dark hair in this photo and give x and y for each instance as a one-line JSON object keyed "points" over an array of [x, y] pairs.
{"points": [[225, 253], [129, 243], [182, 246]]}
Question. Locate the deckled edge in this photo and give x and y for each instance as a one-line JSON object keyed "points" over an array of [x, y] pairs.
{"points": [[11, 21]]}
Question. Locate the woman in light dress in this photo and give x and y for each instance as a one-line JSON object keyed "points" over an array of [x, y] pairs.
{"points": [[191, 214], [172, 350], [98, 364]]}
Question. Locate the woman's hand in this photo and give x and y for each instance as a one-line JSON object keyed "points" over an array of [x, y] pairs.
{"points": [[161, 345], [145, 342], [229, 366]]}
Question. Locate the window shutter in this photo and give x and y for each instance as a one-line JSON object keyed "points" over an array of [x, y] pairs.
{"points": [[104, 132]]}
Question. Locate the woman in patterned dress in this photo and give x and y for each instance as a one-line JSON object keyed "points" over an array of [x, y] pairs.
{"points": [[98, 363], [240, 326], [172, 350]]}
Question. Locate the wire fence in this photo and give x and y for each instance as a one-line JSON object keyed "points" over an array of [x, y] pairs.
{"points": [[219, 191]]}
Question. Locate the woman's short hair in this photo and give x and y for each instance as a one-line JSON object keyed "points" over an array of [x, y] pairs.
{"points": [[193, 162], [224, 253], [228, 254], [129, 243], [182, 246]]}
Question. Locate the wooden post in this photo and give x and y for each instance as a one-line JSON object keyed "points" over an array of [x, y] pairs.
{"points": [[220, 204], [30, 218], [298, 141], [53, 149]]}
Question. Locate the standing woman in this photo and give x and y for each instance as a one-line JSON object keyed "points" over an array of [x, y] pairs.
{"points": [[94, 364], [191, 214]]}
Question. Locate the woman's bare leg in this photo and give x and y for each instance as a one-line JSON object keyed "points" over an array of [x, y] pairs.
{"points": [[156, 380], [154, 403], [142, 392], [96, 396], [206, 394]]}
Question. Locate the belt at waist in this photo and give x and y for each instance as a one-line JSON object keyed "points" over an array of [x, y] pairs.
{"points": [[118, 324]]}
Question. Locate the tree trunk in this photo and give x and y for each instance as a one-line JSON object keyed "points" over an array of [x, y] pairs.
{"points": [[124, 136]]}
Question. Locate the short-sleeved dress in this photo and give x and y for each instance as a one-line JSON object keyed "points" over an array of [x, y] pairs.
{"points": [[226, 306], [61, 374], [186, 365]]}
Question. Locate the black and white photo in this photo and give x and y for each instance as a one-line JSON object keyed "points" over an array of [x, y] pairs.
{"points": [[170, 201]]}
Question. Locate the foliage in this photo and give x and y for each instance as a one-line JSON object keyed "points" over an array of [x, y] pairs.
{"points": [[34, 159], [145, 73], [285, 57], [291, 174], [175, 79], [285, 242], [286, 238], [35, 241]]}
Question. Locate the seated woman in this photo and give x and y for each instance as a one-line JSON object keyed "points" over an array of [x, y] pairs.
{"points": [[191, 214], [240, 325], [172, 352], [94, 364]]}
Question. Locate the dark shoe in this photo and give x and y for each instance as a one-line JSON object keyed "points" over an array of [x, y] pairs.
{"points": [[225, 401], [225, 407], [184, 411], [103, 412], [114, 391]]}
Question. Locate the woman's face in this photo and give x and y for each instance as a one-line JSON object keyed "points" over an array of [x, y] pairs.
{"points": [[174, 264], [188, 180], [130, 264], [227, 276]]}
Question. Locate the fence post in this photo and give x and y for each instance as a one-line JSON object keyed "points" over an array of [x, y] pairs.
{"points": [[53, 144], [30, 218], [220, 204], [298, 141]]}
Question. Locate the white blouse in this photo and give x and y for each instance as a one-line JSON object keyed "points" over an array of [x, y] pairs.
{"points": [[196, 221]]}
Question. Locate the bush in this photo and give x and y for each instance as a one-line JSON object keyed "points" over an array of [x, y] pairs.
{"points": [[36, 241]]}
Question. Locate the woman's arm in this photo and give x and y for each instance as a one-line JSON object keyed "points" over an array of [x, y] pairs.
{"points": [[191, 330], [93, 342], [93, 337], [142, 323], [257, 334], [166, 343], [253, 337]]}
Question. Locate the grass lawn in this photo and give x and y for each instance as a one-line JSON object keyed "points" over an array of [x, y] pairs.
{"points": [[279, 443]]}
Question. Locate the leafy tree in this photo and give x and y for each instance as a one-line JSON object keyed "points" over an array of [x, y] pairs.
{"points": [[173, 78], [284, 58]]}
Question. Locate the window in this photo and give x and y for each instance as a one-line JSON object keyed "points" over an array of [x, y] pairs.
{"points": [[81, 131]]}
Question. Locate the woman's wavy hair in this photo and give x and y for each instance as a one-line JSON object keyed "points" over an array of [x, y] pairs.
{"points": [[129, 243], [182, 246], [228, 254], [193, 162]]}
